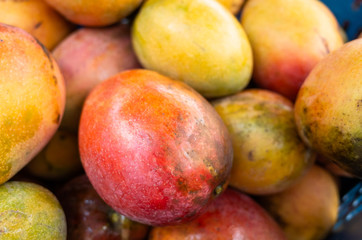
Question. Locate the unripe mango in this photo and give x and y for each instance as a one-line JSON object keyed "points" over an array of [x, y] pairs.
{"points": [[29, 211]]}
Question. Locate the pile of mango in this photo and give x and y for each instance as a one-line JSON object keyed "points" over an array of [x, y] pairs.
{"points": [[176, 119]]}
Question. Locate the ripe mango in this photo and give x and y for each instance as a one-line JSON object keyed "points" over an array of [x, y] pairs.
{"points": [[269, 156], [32, 97], [328, 110], [86, 58], [307, 210], [233, 6], [198, 42], [95, 13], [37, 18], [288, 37]]}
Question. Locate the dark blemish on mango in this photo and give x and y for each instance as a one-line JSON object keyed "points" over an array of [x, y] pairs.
{"points": [[1, 40], [305, 110], [251, 156], [57, 119], [200, 201], [38, 25], [359, 103], [46, 52], [55, 80], [325, 44], [182, 185], [191, 214], [307, 131]]}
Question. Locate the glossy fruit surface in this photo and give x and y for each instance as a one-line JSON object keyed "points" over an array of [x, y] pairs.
{"points": [[154, 149], [32, 98], [37, 18], [198, 42], [328, 110], [232, 216], [287, 44]]}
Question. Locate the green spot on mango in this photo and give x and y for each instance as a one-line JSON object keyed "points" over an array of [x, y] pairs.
{"points": [[17, 128]]}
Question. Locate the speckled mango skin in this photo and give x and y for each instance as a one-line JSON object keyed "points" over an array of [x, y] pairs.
{"points": [[95, 13], [233, 6], [153, 148], [32, 99], [328, 110], [29, 211], [198, 42], [307, 210], [86, 58], [37, 18], [269, 156], [232, 216], [288, 38]]}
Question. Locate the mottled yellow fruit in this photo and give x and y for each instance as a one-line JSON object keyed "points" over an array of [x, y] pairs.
{"points": [[233, 6], [328, 110], [30, 212], [59, 159], [32, 97], [198, 42], [288, 37], [37, 18], [269, 156], [95, 12], [307, 210]]}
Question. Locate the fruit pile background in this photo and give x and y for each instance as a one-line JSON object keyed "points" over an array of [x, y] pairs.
{"points": [[179, 119]]}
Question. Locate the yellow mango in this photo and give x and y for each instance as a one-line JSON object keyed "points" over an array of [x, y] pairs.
{"points": [[198, 42], [37, 18], [32, 97]]}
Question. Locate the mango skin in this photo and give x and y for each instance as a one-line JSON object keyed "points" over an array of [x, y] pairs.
{"points": [[307, 210], [231, 216], [86, 58], [32, 96], [269, 156], [59, 159], [234, 6], [195, 41], [153, 148], [90, 218], [328, 110], [288, 37], [95, 13], [29, 211], [37, 18]]}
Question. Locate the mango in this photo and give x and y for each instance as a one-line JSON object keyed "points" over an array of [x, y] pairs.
{"points": [[29, 211], [32, 97], [328, 110], [269, 156], [86, 58], [153, 148], [37, 18], [232, 216], [233, 6], [59, 159], [308, 210], [198, 42], [95, 13], [288, 37]]}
